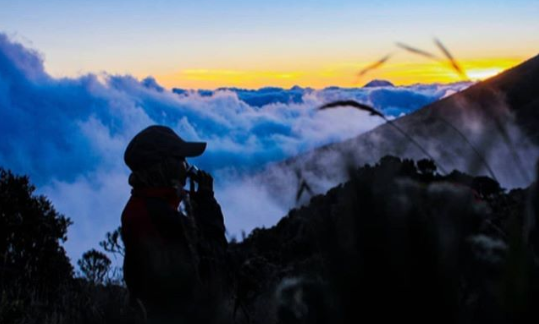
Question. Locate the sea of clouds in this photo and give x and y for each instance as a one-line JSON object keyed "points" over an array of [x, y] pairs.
{"points": [[69, 135]]}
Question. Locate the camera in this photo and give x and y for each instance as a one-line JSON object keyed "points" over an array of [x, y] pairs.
{"points": [[192, 175], [192, 172]]}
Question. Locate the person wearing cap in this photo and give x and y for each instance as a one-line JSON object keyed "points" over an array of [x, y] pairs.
{"points": [[173, 262]]}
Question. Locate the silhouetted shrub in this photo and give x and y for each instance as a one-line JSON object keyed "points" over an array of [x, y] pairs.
{"points": [[113, 243], [36, 277], [94, 266], [426, 166]]}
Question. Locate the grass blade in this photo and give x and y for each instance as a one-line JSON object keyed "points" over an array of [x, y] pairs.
{"points": [[418, 51], [374, 66], [451, 59], [374, 112], [354, 104]]}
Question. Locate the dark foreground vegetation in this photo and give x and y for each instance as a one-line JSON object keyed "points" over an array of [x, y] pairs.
{"points": [[397, 241]]}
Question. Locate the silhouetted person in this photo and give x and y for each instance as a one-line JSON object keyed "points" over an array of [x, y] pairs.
{"points": [[174, 263]]}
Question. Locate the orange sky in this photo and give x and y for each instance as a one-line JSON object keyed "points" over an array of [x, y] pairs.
{"points": [[399, 72]]}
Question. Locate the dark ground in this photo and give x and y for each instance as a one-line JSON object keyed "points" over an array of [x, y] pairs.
{"points": [[397, 241]]}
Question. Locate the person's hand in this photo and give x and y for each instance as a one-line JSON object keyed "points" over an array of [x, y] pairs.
{"points": [[205, 182]]}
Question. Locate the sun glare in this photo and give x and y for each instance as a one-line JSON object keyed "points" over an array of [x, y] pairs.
{"points": [[482, 74]]}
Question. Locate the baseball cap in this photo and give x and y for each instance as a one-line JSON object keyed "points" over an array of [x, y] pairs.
{"points": [[155, 143]]}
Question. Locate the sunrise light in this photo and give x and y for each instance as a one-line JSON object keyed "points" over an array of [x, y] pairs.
{"points": [[482, 74]]}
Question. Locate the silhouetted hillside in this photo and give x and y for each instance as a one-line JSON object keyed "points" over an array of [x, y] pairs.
{"points": [[395, 242]]}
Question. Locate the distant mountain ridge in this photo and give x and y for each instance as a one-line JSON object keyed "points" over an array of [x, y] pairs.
{"points": [[392, 100]]}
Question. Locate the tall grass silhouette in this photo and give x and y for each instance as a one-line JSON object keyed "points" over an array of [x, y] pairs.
{"points": [[303, 186], [469, 143], [418, 51], [452, 61], [373, 66], [374, 112]]}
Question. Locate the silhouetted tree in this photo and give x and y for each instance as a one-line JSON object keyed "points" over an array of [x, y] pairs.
{"points": [[33, 264], [30, 234], [94, 265], [426, 166], [486, 186], [113, 243]]}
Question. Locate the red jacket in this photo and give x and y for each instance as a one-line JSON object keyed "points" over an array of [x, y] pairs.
{"points": [[166, 253]]}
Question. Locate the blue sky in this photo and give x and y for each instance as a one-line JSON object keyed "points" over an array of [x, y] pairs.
{"points": [[268, 43]]}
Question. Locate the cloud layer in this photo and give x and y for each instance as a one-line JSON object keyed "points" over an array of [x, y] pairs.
{"points": [[69, 135]]}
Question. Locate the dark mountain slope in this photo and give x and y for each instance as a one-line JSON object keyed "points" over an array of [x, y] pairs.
{"points": [[494, 123], [395, 242]]}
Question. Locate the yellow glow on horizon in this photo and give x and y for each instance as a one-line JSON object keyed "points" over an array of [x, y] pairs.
{"points": [[483, 69], [342, 74], [208, 78], [482, 74]]}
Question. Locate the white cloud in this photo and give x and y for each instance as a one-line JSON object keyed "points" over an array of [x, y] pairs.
{"points": [[69, 135]]}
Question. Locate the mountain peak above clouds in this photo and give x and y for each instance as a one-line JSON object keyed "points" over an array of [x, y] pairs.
{"points": [[378, 83]]}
